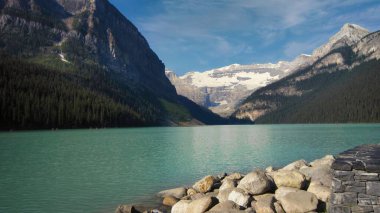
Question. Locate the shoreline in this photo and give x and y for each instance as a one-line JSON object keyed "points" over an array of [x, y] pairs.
{"points": [[262, 190]]}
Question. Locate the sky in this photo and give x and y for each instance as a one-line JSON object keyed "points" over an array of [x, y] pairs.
{"points": [[198, 35]]}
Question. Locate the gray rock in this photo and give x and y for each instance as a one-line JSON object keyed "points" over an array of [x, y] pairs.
{"points": [[300, 201], [347, 198], [227, 183], [358, 189], [364, 199], [234, 176], [255, 183], [337, 185], [340, 209], [344, 175], [126, 209], [373, 188], [177, 193], [282, 191], [201, 205], [367, 176], [264, 203], [240, 197], [342, 165], [250, 210], [286, 178], [376, 209], [204, 185], [322, 192], [225, 206], [328, 160], [321, 174], [223, 194], [278, 208], [295, 165], [357, 209], [181, 206]]}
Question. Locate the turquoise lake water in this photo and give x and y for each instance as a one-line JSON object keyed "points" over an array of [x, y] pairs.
{"points": [[95, 170]]}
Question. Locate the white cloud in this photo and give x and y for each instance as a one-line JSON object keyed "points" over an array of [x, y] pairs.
{"points": [[228, 28]]}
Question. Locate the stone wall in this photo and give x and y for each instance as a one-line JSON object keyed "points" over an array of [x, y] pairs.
{"points": [[356, 183]]}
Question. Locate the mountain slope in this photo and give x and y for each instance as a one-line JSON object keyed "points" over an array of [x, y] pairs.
{"points": [[340, 86], [81, 63], [222, 89]]}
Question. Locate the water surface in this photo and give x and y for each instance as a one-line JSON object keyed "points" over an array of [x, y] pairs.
{"points": [[95, 170]]}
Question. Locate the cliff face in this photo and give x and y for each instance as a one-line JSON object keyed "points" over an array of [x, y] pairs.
{"points": [[82, 31], [81, 63]]}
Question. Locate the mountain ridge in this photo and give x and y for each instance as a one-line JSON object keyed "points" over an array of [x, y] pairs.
{"points": [[285, 101], [112, 76]]}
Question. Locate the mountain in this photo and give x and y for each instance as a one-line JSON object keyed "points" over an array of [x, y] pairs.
{"points": [[81, 63], [341, 85], [222, 89]]}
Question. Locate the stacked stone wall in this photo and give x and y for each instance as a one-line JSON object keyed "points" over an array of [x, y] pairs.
{"points": [[356, 180]]}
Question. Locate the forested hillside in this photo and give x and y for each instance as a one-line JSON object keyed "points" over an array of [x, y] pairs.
{"points": [[338, 97], [79, 64]]}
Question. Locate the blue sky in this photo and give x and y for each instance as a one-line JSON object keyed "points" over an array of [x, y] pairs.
{"points": [[197, 35]]}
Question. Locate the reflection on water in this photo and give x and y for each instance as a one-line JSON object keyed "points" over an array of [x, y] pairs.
{"points": [[95, 170]]}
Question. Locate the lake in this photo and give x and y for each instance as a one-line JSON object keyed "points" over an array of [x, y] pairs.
{"points": [[95, 170]]}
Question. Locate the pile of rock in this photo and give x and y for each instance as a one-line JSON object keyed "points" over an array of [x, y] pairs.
{"points": [[298, 187]]}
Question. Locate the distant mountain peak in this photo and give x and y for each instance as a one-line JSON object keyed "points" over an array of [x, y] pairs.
{"points": [[353, 32], [347, 35]]}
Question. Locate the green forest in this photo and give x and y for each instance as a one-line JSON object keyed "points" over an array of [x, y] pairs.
{"points": [[33, 96], [338, 97], [39, 93]]}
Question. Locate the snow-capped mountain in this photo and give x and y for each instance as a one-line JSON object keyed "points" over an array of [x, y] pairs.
{"points": [[221, 89], [339, 86]]}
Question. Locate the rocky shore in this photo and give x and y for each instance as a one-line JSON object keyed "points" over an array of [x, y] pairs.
{"points": [[297, 187]]}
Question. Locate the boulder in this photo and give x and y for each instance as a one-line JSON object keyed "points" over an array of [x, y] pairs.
{"points": [[223, 194], [264, 203], [169, 201], [249, 210], [191, 191], [282, 191], [328, 160], [240, 197], [197, 196], [201, 205], [153, 211], [322, 192], [255, 183], [278, 208], [181, 206], [296, 165], [220, 176], [126, 209], [226, 206], [269, 169], [234, 176], [300, 201], [322, 174], [177, 193], [227, 183], [204, 185], [287, 178]]}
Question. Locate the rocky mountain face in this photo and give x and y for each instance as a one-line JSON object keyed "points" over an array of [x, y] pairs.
{"points": [[338, 86], [82, 31], [222, 89], [98, 68]]}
